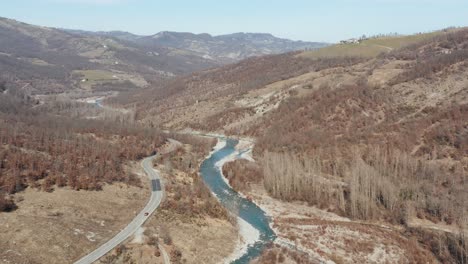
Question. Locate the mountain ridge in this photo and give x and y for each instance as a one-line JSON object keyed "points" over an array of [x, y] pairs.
{"points": [[55, 60], [227, 48]]}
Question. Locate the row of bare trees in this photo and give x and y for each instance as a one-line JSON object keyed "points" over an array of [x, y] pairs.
{"points": [[378, 182], [289, 177]]}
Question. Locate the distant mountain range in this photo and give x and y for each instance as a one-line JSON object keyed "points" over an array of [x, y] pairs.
{"points": [[222, 49], [56, 60]]}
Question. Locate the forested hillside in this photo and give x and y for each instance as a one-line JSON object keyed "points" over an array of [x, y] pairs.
{"points": [[381, 138], [42, 150]]}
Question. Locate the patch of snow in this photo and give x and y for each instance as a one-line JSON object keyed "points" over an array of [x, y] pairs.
{"points": [[208, 57], [90, 236], [160, 34], [90, 100], [245, 148], [12, 251], [165, 73], [295, 246], [138, 236], [233, 55], [248, 235], [219, 145], [229, 158], [219, 166]]}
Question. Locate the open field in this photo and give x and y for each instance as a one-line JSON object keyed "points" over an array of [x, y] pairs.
{"points": [[61, 226], [95, 75], [401, 41], [104, 81], [368, 48], [346, 50]]}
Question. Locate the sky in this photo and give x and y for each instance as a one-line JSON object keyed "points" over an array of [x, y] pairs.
{"points": [[308, 20]]}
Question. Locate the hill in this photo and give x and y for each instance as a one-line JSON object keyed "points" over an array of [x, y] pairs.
{"points": [[228, 48], [379, 138], [48, 60], [223, 48], [371, 47]]}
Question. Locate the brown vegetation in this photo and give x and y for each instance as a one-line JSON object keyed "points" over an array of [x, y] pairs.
{"points": [[376, 140], [6, 204], [275, 254], [447, 247], [187, 196], [242, 173], [62, 226], [391, 150], [290, 178], [227, 81], [47, 58], [40, 150], [190, 208], [374, 153]]}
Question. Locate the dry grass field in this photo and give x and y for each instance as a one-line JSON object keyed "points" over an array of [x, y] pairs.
{"points": [[368, 48], [62, 226]]}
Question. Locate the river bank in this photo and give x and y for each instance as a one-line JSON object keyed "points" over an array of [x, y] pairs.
{"points": [[254, 228], [248, 235], [314, 235]]}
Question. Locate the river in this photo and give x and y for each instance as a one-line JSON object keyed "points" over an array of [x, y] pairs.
{"points": [[231, 200], [235, 203]]}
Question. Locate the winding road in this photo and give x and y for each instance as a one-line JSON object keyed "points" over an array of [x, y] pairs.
{"points": [[138, 221]]}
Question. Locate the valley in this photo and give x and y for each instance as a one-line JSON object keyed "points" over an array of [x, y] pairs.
{"points": [[390, 152], [237, 148]]}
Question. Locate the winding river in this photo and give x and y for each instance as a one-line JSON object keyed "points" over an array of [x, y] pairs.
{"points": [[231, 200]]}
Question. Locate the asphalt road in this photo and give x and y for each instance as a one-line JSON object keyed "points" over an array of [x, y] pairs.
{"points": [[138, 221]]}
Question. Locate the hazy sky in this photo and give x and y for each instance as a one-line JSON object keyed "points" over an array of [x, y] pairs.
{"points": [[324, 20]]}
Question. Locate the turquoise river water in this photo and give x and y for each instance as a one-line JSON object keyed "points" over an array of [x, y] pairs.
{"points": [[231, 200]]}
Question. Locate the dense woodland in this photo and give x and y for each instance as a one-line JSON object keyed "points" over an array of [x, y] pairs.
{"points": [[40, 150]]}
